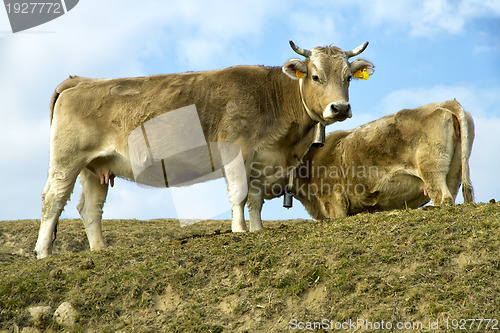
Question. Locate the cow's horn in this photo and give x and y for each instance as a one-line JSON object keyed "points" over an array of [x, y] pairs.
{"points": [[357, 50], [299, 50]]}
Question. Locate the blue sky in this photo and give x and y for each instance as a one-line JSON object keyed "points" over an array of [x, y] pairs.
{"points": [[424, 51]]}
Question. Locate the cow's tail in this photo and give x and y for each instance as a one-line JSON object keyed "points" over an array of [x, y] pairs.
{"points": [[55, 95], [66, 84], [466, 128]]}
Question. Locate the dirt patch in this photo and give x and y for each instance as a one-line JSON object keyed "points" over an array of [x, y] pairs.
{"points": [[169, 301]]}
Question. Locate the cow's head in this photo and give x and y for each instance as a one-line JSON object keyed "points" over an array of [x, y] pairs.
{"points": [[324, 77]]}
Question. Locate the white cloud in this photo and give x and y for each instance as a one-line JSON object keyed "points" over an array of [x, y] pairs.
{"points": [[437, 15], [315, 28], [127, 199], [485, 159], [428, 17], [493, 47], [203, 33], [104, 38], [24, 154], [478, 101]]}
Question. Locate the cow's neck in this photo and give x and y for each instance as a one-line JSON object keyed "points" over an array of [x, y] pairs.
{"points": [[290, 112], [293, 127], [310, 113]]}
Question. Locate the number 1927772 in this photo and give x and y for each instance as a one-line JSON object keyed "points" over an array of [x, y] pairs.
{"points": [[472, 324], [34, 8]]}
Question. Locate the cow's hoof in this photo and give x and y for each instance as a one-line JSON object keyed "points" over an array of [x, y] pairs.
{"points": [[98, 248], [41, 254]]}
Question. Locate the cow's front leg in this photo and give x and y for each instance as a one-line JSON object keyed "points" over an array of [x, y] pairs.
{"points": [[255, 202], [337, 205], [238, 224]]}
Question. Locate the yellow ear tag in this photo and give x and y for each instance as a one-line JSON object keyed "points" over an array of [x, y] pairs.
{"points": [[299, 74], [361, 74]]}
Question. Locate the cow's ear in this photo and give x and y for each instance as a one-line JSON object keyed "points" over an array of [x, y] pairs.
{"points": [[358, 65], [295, 69]]}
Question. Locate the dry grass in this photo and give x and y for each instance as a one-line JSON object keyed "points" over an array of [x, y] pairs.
{"points": [[400, 266]]}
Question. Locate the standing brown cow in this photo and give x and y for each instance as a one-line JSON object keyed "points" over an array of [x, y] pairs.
{"points": [[267, 112]]}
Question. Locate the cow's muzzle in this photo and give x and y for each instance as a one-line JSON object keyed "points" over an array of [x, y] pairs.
{"points": [[337, 112]]}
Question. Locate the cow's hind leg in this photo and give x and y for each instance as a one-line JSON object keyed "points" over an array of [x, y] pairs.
{"points": [[434, 162], [255, 201], [453, 179], [433, 172], [54, 197], [90, 208], [437, 190]]}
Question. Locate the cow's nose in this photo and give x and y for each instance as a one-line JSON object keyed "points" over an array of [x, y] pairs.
{"points": [[341, 110], [337, 112]]}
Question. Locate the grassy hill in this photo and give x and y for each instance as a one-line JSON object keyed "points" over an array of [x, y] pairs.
{"points": [[405, 267]]}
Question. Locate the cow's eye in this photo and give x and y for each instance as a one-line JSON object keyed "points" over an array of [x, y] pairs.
{"points": [[315, 78], [349, 78]]}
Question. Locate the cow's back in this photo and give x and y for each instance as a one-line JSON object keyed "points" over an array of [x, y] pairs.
{"points": [[225, 100]]}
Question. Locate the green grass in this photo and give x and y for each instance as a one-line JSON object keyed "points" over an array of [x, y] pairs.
{"points": [[415, 265]]}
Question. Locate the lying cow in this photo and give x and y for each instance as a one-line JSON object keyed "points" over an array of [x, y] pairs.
{"points": [[402, 160], [269, 113]]}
